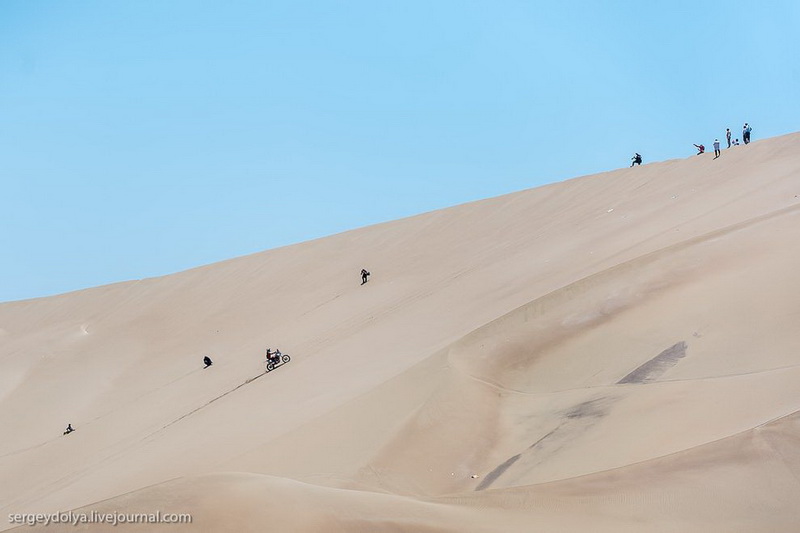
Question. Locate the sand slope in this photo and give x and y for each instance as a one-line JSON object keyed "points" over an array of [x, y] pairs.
{"points": [[611, 353]]}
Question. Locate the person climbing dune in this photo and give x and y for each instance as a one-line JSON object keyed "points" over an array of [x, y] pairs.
{"points": [[700, 148], [364, 276], [207, 361], [69, 429]]}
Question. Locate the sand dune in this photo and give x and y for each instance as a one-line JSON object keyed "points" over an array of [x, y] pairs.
{"points": [[611, 353]]}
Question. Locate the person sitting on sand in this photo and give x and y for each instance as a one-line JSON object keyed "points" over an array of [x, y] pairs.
{"points": [[207, 361], [69, 429], [700, 148], [637, 159]]}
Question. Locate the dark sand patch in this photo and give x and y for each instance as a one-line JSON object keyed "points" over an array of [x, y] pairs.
{"points": [[592, 408], [576, 420], [655, 367], [497, 472]]}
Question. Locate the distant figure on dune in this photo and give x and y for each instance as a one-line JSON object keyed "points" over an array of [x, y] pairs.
{"points": [[637, 159], [728, 136], [746, 129], [69, 429], [700, 148], [364, 276], [716, 148], [207, 361], [736, 142]]}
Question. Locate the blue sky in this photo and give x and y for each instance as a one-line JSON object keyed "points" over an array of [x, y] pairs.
{"points": [[143, 138]]}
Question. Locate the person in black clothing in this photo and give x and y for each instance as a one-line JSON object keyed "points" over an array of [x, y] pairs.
{"points": [[364, 275], [273, 357], [69, 429], [637, 159], [207, 361]]}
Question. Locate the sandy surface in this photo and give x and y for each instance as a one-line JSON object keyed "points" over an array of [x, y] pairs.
{"points": [[618, 352]]}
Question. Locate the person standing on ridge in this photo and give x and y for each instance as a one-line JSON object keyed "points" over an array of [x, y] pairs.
{"points": [[364, 276], [746, 129], [716, 148], [637, 159], [728, 136]]}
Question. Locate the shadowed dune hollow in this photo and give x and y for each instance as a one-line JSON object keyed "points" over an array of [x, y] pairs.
{"points": [[617, 352]]}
